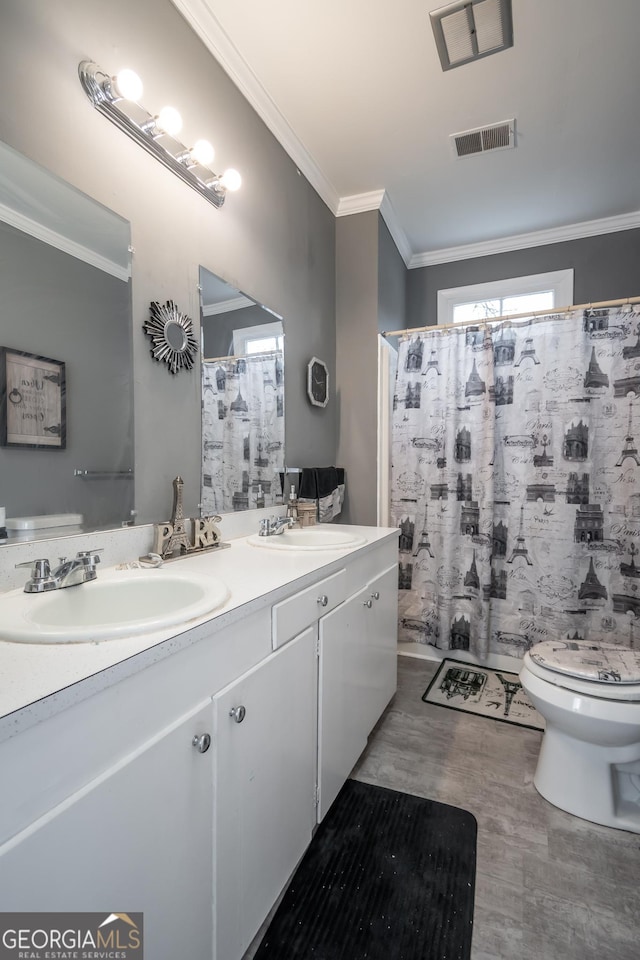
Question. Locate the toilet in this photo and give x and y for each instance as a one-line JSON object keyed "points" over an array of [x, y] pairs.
{"points": [[589, 696]]}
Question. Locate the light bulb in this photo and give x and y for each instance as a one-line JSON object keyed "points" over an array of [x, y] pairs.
{"points": [[202, 152], [169, 121], [231, 180], [129, 85]]}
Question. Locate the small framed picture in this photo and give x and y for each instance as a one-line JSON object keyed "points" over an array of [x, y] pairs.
{"points": [[32, 400]]}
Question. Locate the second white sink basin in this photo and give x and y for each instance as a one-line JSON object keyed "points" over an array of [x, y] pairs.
{"points": [[121, 604], [309, 538]]}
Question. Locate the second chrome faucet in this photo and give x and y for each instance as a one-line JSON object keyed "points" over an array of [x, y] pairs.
{"points": [[271, 526]]}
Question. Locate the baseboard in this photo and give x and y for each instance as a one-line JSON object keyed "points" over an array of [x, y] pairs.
{"points": [[423, 651]]}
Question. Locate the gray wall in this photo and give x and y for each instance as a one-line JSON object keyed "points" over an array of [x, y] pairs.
{"points": [[356, 361], [274, 239], [370, 297], [392, 282], [59, 307], [605, 268]]}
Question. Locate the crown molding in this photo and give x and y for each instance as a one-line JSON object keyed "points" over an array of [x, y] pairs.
{"points": [[57, 240], [226, 306], [522, 241], [203, 21], [360, 203], [395, 229]]}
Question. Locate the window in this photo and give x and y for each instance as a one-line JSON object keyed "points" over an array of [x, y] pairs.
{"points": [[263, 338], [481, 301]]}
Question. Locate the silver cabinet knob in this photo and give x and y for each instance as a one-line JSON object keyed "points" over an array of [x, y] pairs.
{"points": [[323, 600], [238, 713], [201, 742], [376, 595], [368, 603]]}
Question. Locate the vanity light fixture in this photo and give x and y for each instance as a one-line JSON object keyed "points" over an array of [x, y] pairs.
{"points": [[117, 98]]}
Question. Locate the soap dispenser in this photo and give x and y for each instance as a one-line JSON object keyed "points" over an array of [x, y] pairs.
{"points": [[292, 505], [260, 498]]}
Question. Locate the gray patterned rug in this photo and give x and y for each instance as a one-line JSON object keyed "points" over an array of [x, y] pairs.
{"points": [[482, 691]]}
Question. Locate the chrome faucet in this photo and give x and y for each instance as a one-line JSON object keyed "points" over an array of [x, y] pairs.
{"points": [[69, 573], [270, 527]]}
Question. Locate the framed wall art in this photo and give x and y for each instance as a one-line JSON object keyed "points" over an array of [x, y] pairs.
{"points": [[32, 400]]}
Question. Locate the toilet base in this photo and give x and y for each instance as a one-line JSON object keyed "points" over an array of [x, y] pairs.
{"points": [[597, 783]]}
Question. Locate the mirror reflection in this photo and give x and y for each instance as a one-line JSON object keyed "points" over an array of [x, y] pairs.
{"points": [[242, 400], [66, 306]]}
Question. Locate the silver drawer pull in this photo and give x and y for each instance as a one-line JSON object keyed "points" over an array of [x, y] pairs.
{"points": [[238, 713], [376, 595], [201, 742], [323, 600], [368, 603]]}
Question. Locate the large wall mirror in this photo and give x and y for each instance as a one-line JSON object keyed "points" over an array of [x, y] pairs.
{"points": [[66, 386], [242, 400]]}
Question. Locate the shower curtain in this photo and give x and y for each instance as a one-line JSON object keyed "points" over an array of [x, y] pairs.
{"points": [[516, 483], [242, 432]]}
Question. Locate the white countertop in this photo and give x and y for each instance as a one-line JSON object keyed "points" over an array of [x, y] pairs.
{"points": [[37, 680]]}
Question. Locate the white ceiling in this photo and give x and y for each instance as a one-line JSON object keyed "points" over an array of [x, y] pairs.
{"points": [[354, 91]]}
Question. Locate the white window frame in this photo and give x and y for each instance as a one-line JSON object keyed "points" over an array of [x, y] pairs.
{"points": [[560, 281], [272, 328]]}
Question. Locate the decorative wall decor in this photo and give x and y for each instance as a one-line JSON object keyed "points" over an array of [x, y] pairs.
{"points": [[318, 382], [516, 483], [172, 339], [33, 400], [242, 432], [182, 535]]}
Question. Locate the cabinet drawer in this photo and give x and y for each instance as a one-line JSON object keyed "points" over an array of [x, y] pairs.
{"points": [[293, 615]]}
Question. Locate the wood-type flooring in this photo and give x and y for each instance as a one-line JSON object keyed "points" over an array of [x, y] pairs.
{"points": [[549, 886]]}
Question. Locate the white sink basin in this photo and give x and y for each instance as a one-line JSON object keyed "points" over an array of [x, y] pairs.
{"points": [[120, 604], [309, 538]]}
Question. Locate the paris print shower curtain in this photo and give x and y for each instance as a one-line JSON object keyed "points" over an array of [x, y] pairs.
{"points": [[516, 483], [242, 433]]}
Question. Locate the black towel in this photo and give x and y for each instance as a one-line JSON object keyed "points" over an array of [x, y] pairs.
{"points": [[318, 482]]}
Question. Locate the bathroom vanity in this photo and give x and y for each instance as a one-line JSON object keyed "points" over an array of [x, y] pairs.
{"points": [[184, 777]]}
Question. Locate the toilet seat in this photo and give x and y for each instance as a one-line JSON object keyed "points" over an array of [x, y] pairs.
{"points": [[596, 670]]}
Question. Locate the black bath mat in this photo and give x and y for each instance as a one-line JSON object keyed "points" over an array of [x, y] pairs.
{"points": [[388, 876]]}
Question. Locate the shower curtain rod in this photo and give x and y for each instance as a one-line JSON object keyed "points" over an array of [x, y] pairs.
{"points": [[244, 356], [535, 314]]}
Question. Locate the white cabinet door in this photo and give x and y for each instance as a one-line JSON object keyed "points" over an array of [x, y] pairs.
{"points": [[380, 638], [137, 838], [358, 677], [264, 788], [341, 731]]}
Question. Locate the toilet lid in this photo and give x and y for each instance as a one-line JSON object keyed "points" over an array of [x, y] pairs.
{"points": [[601, 662]]}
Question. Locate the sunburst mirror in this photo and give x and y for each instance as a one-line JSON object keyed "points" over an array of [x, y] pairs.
{"points": [[172, 339]]}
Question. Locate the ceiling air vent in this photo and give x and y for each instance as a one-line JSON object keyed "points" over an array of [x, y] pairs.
{"points": [[497, 136], [471, 29]]}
